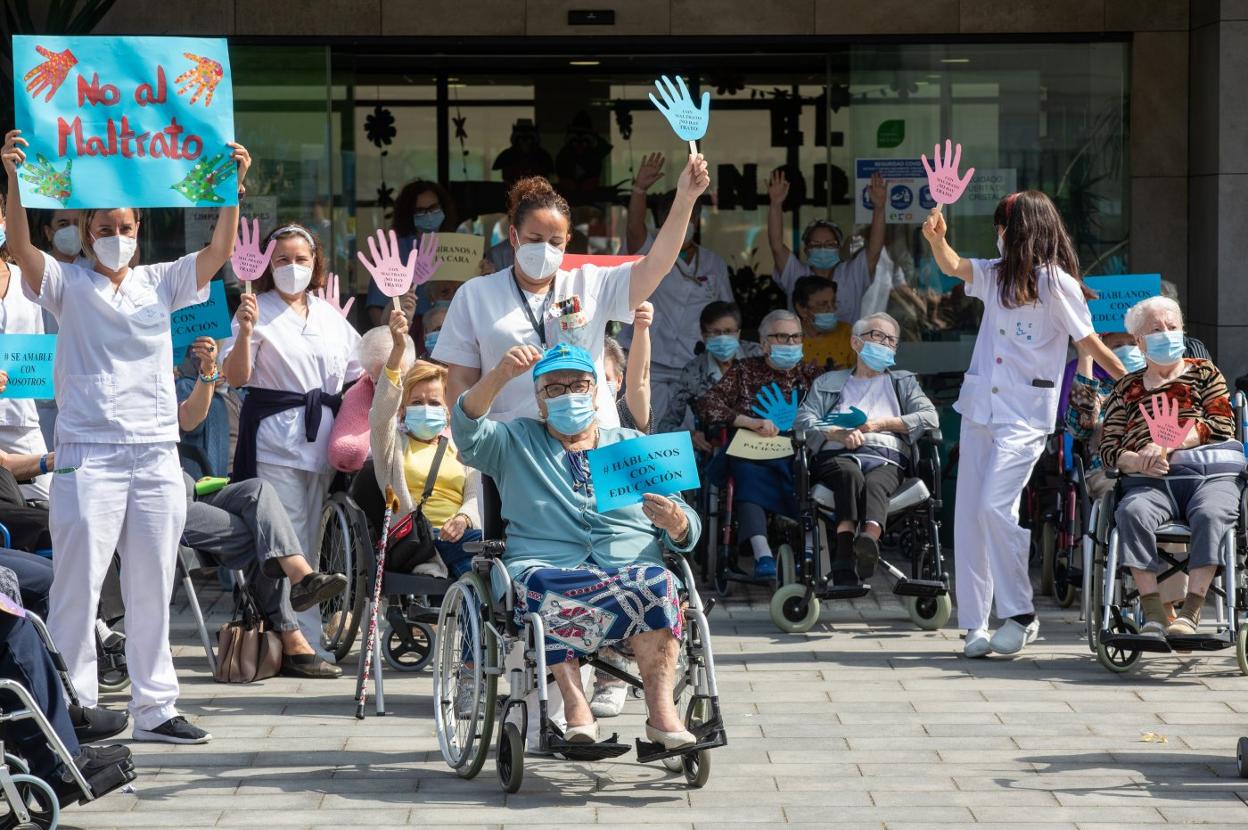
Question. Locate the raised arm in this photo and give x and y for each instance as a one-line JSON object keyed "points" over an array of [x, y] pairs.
{"points": [[637, 373], [212, 258], [19, 244], [237, 363], [193, 410], [649, 172], [1093, 347], [878, 190], [777, 192], [947, 259], [650, 270], [517, 361]]}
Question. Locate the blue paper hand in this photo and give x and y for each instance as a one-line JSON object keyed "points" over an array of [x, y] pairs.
{"points": [[773, 406], [852, 419], [687, 119]]}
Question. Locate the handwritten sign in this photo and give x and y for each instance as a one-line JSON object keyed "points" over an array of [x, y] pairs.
{"points": [[661, 464], [461, 255], [942, 175], [752, 446], [208, 319], [138, 120], [1115, 295], [28, 360]]}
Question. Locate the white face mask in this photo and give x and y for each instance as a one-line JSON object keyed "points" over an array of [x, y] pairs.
{"points": [[115, 252], [538, 260], [67, 240], [292, 279]]}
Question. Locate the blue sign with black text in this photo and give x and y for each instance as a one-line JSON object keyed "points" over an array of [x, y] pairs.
{"points": [[28, 359], [1115, 295], [661, 464], [208, 319]]}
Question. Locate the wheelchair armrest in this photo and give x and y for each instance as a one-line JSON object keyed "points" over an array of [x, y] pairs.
{"points": [[489, 548], [934, 435]]}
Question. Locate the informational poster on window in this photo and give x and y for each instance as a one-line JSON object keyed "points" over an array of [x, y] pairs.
{"points": [[910, 199]]}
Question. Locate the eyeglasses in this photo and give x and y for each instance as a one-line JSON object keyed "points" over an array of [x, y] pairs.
{"points": [[426, 211], [789, 339], [557, 390], [733, 332], [877, 336]]}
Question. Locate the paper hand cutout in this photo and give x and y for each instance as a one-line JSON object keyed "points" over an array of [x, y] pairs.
{"points": [[48, 181], [426, 265], [392, 275], [248, 260], [1163, 424], [201, 181], [330, 294], [202, 77], [773, 407], [689, 121], [852, 419], [50, 74], [942, 178]]}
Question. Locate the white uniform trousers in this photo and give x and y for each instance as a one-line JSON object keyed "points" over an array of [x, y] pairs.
{"points": [[27, 440], [990, 549], [303, 493], [129, 498]]}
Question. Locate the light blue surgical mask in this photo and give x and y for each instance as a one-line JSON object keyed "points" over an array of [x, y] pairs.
{"points": [[2, 236], [570, 414], [787, 356], [876, 356], [1164, 347], [1131, 358], [723, 346], [428, 222], [824, 258], [424, 422], [431, 340], [825, 321]]}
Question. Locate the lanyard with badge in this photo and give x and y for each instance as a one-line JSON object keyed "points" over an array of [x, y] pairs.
{"points": [[538, 323]]}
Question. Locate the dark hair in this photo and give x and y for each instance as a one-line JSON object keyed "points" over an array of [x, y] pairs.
{"points": [[405, 206], [1035, 238], [717, 311], [807, 287], [534, 193], [265, 281]]}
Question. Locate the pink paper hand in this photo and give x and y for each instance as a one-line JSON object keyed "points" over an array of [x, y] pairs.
{"points": [[248, 260], [942, 178], [330, 294], [50, 74], [387, 268], [423, 266], [1163, 425]]}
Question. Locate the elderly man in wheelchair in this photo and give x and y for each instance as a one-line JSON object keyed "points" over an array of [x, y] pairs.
{"points": [[580, 579], [1169, 431]]}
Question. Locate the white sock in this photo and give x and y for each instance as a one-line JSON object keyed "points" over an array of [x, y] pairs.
{"points": [[759, 544]]}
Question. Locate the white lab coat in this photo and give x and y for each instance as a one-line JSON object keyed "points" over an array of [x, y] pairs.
{"points": [[20, 432], [121, 489], [1008, 405]]}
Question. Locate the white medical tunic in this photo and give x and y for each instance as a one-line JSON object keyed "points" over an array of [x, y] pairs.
{"points": [[852, 278], [19, 315]]}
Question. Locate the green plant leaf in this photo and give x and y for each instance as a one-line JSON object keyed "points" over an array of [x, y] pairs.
{"points": [[890, 134]]}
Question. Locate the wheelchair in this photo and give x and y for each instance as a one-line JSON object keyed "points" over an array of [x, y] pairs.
{"points": [[913, 530], [478, 633], [1065, 515]]}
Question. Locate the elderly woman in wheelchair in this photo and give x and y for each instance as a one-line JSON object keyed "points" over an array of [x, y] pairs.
{"points": [[577, 578], [1169, 431]]}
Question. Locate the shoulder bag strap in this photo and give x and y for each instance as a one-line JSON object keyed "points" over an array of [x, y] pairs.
{"points": [[432, 478]]}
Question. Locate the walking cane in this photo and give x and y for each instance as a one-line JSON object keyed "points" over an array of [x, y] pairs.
{"points": [[370, 647]]}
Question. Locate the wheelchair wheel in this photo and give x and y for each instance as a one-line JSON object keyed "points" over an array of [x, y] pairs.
{"points": [[1241, 757], [1241, 649], [1118, 659], [42, 806], [16, 764], [464, 691], [113, 679], [1065, 592], [787, 612], [929, 613], [510, 759], [1048, 552], [340, 553], [786, 562], [411, 653], [696, 765]]}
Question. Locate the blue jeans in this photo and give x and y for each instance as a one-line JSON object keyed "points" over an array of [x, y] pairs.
{"points": [[453, 554]]}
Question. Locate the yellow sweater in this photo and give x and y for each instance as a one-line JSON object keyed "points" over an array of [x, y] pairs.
{"points": [[833, 346], [448, 491]]}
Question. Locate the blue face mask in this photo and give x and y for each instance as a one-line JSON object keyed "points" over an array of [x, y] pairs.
{"points": [[428, 222], [825, 321], [786, 357], [723, 346], [1164, 347], [824, 258], [431, 340], [877, 357], [570, 414], [2, 237], [1131, 358], [424, 422]]}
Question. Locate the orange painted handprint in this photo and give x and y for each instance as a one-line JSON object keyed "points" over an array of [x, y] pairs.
{"points": [[203, 77], [50, 74]]}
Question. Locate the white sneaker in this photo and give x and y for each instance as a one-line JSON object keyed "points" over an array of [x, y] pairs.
{"points": [[1011, 637], [976, 643], [609, 700]]}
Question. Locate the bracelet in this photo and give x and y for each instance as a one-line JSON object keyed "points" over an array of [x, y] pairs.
{"points": [[43, 463], [213, 378]]}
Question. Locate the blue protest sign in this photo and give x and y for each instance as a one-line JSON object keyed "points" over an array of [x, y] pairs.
{"points": [[27, 358], [688, 119], [1115, 295], [208, 319], [659, 464], [140, 121]]}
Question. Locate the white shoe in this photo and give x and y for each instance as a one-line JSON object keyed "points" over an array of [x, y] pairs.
{"points": [[609, 700], [1011, 637], [976, 643], [671, 741], [587, 734]]}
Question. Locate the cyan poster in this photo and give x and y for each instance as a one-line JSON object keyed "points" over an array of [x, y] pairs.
{"points": [[28, 358], [124, 121], [623, 472], [1115, 295], [207, 319]]}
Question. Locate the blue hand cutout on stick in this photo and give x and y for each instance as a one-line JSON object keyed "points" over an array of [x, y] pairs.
{"points": [[687, 119]]}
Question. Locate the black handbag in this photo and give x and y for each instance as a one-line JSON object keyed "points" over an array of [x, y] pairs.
{"points": [[410, 541]]}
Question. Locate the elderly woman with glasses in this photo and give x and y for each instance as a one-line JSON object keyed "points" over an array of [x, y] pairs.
{"points": [[761, 394], [863, 465]]}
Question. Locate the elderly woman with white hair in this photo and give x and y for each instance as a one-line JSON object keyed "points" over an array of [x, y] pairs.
{"points": [[1194, 483], [864, 465], [763, 487]]}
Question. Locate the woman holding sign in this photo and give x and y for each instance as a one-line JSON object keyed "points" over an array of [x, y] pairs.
{"points": [[118, 484], [1034, 304], [294, 352]]}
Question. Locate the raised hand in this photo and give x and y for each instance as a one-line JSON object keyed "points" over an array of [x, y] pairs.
{"points": [[695, 178], [247, 314], [4, 381], [643, 316], [650, 171], [773, 407], [330, 293], [687, 119], [1163, 423], [202, 77], [50, 74], [392, 275], [204, 352], [877, 190], [934, 227], [518, 360], [248, 260], [12, 154], [398, 329], [426, 263], [48, 181], [942, 178], [777, 188]]}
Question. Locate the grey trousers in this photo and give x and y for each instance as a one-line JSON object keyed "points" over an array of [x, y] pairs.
{"points": [[1208, 507], [245, 526]]}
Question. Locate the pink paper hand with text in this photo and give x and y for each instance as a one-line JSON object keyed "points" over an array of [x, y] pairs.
{"points": [[942, 176], [392, 275], [248, 260], [1163, 424], [426, 264], [332, 294]]}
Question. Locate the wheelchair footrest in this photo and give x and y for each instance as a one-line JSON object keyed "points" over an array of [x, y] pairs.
{"points": [[103, 782], [927, 588], [710, 735], [1135, 642], [1199, 642], [611, 748], [844, 592]]}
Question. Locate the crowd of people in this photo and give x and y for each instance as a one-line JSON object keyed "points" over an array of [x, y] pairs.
{"points": [[507, 380]]}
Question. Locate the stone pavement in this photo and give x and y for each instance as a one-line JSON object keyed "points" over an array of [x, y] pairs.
{"points": [[864, 722]]}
